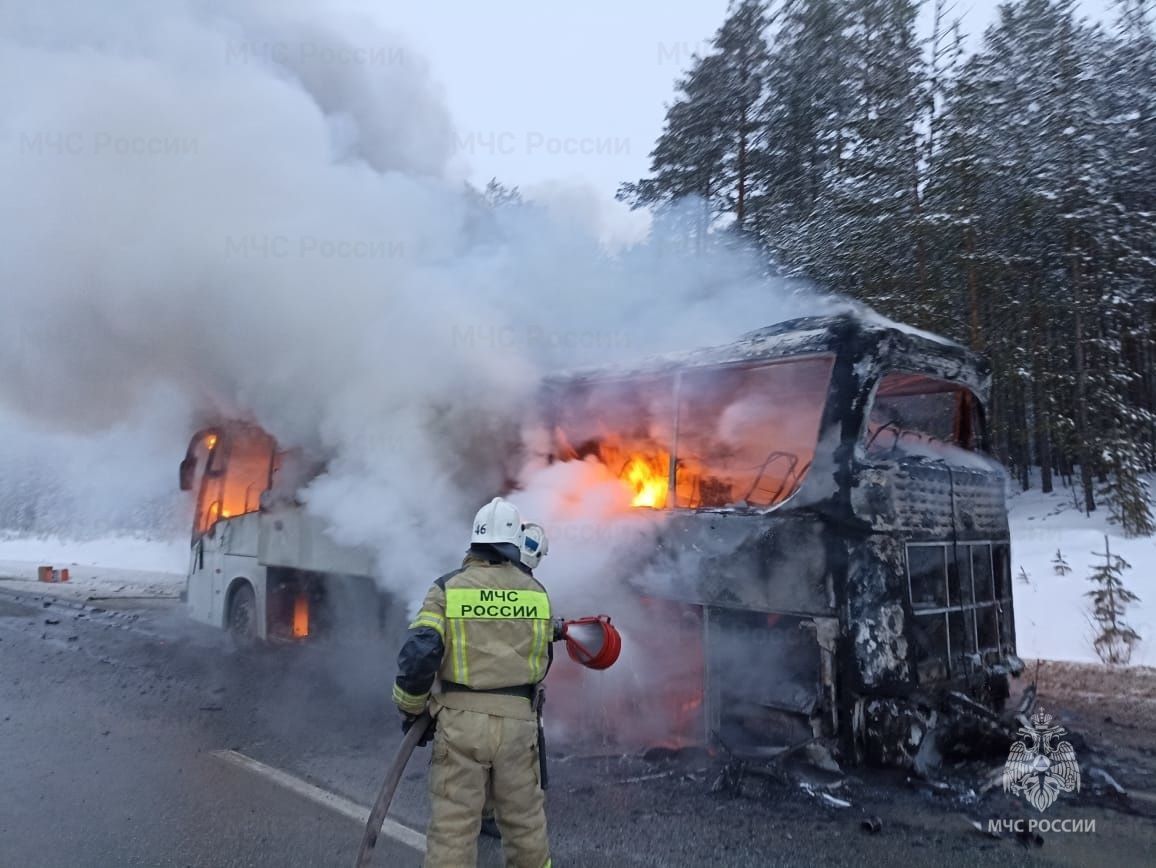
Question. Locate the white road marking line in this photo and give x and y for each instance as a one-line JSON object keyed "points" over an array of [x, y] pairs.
{"points": [[340, 804]]}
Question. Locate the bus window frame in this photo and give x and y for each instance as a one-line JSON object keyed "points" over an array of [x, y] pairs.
{"points": [[216, 471], [753, 365], [969, 410], [675, 375], [969, 609]]}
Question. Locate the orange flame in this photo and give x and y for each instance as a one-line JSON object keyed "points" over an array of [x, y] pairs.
{"points": [[300, 617], [649, 480]]}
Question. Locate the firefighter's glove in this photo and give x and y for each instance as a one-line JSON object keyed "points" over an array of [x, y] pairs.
{"points": [[559, 630], [408, 720]]}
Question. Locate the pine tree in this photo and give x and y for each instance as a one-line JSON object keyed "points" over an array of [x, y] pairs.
{"points": [[1110, 601], [1008, 201], [709, 143], [809, 96], [742, 42], [1127, 75], [498, 194], [486, 210], [1060, 565], [864, 230], [1127, 491]]}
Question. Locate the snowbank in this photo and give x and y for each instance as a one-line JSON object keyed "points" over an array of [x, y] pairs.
{"points": [[166, 558], [1052, 613]]}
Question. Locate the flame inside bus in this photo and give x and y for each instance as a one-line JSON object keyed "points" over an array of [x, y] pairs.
{"points": [[300, 617], [648, 480]]}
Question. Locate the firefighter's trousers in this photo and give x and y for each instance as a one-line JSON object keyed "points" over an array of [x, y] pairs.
{"points": [[471, 750]]}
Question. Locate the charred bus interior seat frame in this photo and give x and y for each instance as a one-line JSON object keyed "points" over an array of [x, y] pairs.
{"points": [[836, 531]]}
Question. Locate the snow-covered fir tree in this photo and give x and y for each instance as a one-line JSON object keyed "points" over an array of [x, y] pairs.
{"points": [[707, 149], [1007, 200], [1110, 600]]}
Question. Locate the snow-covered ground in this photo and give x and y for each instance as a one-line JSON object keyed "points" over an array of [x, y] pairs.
{"points": [[122, 552], [116, 565], [1052, 613]]}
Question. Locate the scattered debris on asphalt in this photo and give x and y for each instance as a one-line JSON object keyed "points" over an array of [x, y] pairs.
{"points": [[1104, 782], [1029, 838], [989, 831], [871, 825]]}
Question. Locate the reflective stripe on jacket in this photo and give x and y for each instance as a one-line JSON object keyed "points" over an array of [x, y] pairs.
{"points": [[484, 626]]}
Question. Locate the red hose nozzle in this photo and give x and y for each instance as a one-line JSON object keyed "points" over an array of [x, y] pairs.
{"points": [[593, 641]]}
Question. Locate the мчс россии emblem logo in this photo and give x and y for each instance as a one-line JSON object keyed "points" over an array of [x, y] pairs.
{"points": [[1039, 768]]}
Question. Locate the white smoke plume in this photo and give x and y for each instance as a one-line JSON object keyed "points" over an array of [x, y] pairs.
{"points": [[233, 208]]}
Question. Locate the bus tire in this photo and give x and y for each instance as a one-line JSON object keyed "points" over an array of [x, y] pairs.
{"points": [[241, 617]]}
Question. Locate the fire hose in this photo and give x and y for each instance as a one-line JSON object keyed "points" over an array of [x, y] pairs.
{"points": [[389, 787]]}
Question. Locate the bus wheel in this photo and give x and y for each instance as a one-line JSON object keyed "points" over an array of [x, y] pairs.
{"points": [[242, 618]]}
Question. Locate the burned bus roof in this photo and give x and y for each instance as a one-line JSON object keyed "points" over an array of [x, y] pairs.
{"points": [[871, 335]]}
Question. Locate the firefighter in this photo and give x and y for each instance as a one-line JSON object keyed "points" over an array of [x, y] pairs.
{"points": [[484, 631], [534, 548]]}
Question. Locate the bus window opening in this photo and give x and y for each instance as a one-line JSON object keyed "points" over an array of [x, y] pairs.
{"points": [[921, 416], [747, 436], [627, 426]]}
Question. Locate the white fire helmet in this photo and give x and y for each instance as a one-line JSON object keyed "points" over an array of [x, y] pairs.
{"points": [[535, 545], [498, 522]]}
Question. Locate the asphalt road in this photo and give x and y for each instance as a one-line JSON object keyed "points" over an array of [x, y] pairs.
{"points": [[115, 722], [108, 735]]}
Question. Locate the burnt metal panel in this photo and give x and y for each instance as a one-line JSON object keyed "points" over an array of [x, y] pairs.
{"points": [[931, 500], [767, 563], [765, 676], [876, 627]]}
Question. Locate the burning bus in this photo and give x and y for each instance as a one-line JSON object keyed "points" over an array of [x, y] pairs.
{"points": [[833, 549], [260, 566], [834, 532]]}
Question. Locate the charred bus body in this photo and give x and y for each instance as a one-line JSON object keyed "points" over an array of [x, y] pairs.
{"points": [[838, 537], [259, 565]]}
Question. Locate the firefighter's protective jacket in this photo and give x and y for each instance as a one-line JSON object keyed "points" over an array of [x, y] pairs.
{"points": [[483, 627]]}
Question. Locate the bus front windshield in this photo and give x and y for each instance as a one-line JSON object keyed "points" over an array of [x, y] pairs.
{"points": [[919, 415]]}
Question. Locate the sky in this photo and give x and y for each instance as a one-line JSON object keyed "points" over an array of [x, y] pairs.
{"points": [[566, 100]]}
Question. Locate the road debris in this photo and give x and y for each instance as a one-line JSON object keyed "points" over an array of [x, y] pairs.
{"points": [[652, 777], [1029, 837], [822, 796], [1104, 782], [988, 831]]}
